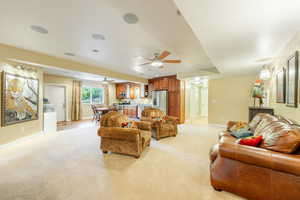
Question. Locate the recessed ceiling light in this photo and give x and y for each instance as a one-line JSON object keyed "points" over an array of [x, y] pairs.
{"points": [[130, 18], [97, 36], [69, 54], [39, 29], [95, 50]]}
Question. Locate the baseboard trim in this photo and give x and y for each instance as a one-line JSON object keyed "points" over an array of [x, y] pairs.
{"points": [[218, 125], [86, 118], [21, 140]]}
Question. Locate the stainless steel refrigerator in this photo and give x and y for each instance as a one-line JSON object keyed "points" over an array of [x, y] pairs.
{"points": [[160, 100]]}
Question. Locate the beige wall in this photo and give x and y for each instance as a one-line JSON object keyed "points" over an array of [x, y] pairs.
{"points": [[229, 98], [13, 132], [279, 108], [86, 111]]}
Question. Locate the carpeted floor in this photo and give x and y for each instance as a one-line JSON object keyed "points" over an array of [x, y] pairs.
{"points": [[69, 166]]}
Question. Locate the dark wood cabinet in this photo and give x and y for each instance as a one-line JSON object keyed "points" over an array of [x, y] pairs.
{"points": [[255, 110], [175, 94], [127, 90], [120, 90]]}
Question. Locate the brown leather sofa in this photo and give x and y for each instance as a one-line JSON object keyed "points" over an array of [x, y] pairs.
{"points": [[161, 125], [115, 138], [258, 173]]}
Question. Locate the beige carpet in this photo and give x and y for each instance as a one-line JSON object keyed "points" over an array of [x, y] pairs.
{"points": [[70, 166]]}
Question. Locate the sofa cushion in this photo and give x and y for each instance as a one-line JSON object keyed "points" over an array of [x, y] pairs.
{"points": [[258, 118], [266, 121], [281, 137], [288, 121], [106, 117], [117, 120]]}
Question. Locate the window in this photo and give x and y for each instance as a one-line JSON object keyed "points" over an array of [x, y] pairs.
{"points": [[92, 95]]}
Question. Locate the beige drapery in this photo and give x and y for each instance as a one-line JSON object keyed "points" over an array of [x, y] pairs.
{"points": [[106, 97], [76, 101]]}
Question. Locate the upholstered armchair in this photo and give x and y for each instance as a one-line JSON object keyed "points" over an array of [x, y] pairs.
{"points": [[125, 140], [161, 125]]}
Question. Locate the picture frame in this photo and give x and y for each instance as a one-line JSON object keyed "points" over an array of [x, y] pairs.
{"points": [[292, 81], [281, 86], [20, 99]]}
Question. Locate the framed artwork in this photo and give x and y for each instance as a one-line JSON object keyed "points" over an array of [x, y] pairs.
{"points": [[281, 86], [292, 81], [20, 99]]}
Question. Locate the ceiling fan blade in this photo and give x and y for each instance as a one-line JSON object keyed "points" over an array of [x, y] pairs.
{"points": [[163, 55], [171, 61], [147, 63]]}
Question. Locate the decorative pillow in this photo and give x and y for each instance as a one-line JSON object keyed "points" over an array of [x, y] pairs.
{"points": [[251, 141], [241, 133], [239, 126], [280, 137], [265, 122], [125, 124], [258, 118]]}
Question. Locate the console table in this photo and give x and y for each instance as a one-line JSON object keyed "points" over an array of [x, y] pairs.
{"points": [[255, 110]]}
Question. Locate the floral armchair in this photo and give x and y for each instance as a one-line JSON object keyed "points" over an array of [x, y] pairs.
{"points": [[161, 125], [119, 135]]}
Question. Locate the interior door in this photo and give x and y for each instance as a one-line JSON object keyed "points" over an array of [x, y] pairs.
{"points": [[57, 96]]}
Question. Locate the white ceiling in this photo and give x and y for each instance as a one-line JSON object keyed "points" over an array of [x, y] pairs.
{"points": [[72, 22], [236, 34]]}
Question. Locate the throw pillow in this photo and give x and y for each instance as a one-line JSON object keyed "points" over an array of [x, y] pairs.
{"points": [[239, 126], [241, 133], [126, 124], [280, 137], [251, 141]]}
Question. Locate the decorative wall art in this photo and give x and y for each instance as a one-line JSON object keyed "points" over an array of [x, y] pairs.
{"points": [[20, 99], [292, 81], [281, 86]]}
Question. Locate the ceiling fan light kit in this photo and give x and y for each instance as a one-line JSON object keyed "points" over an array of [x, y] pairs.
{"points": [[158, 60], [156, 63]]}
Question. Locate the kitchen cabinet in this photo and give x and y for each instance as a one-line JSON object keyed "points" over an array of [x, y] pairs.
{"points": [[176, 92], [121, 91], [127, 90], [163, 83]]}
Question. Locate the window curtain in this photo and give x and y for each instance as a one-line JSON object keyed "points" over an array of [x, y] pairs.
{"points": [[106, 95], [76, 101]]}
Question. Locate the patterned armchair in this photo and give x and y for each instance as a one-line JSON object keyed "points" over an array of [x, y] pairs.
{"points": [[115, 138], [161, 124]]}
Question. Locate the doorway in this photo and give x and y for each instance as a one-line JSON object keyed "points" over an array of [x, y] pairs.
{"points": [[56, 95], [197, 102]]}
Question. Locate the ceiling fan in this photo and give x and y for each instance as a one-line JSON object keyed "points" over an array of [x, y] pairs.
{"points": [[106, 81], [158, 60]]}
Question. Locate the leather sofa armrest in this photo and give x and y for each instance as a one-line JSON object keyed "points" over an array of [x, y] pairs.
{"points": [[288, 163], [129, 134], [213, 153], [144, 125]]}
